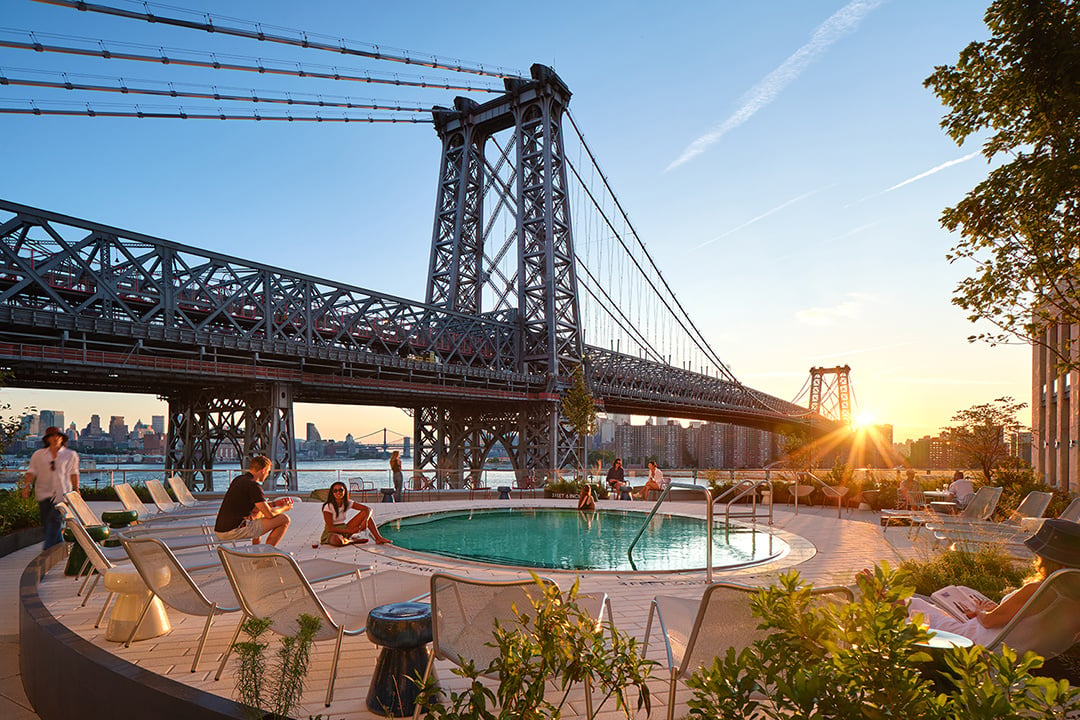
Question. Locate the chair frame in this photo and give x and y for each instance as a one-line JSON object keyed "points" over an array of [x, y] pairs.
{"points": [[1057, 578], [437, 652], [680, 669]]}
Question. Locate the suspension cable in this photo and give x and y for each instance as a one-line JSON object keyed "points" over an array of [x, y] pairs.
{"points": [[304, 39], [124, 88], [259, 65]]}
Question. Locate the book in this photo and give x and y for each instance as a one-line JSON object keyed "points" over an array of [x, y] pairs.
{"points": [[959, 601]]}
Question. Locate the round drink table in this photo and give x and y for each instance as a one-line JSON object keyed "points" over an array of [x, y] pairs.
{"points": [[403, 630], [504, 492], [118, 520]]}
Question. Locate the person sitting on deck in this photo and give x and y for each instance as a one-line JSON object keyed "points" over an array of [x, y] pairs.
{"points": [[244, 511], [908, 492], [616, 477], [961, 489], [655, 482], [337, 530]]}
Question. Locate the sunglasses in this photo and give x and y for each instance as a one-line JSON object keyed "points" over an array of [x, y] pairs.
{"points": [[339, 490], [52, 465]]}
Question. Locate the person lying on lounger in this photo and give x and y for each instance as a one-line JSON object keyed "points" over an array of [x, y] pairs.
{"points": [[1056, 545]]}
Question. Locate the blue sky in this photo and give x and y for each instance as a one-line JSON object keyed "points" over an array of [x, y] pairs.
{"points": [[780, 159]]}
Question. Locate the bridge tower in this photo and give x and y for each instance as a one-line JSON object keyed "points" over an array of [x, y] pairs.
{"points": [[830, 393], [543, 286]]}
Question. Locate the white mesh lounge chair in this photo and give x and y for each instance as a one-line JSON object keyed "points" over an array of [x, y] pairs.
{"points": [[166, 576], [272, 585], [131, 501], [464, 612], [184, 496], [1070, 513], [167, 579], [1049, 622], [167, 506], [969, 530], [981, 507], [77, 505], [697, 631]]}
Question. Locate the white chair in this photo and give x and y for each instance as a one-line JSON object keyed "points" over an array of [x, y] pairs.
{"points": [[464, 612], [167, 579], [167, 506], [1049, 622], [131, 501], [272, 585], [697, 631], [1070, 513], [184, 496]]}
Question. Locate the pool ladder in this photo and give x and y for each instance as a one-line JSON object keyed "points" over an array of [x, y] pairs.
{"points": [[708, 523]]}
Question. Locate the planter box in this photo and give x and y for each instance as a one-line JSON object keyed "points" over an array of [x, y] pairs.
{"points": [[21, 538]]}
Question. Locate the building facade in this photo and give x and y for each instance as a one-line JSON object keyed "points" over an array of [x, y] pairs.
{"points": [[1055, 411]]}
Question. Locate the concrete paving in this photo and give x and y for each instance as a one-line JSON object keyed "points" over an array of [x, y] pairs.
{"points": [[825, 549]]}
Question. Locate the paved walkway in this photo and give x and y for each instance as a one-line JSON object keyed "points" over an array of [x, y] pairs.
{"points": [[825, 550]]}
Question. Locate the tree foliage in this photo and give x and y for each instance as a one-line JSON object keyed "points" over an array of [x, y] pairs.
{"points": [[1020, 90], [980, 435], [579, 408], [10, 425]]}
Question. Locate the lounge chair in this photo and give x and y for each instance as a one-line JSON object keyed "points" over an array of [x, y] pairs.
{"points": [[167, 506], [965, 530], [1070, 513], [697, 631], [464, 612], [166, 576], [1049, 622], [131, 501], [184, 496], [980, 509], [272, 585]]}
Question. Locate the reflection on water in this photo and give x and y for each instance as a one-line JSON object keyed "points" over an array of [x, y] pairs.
{"points": [[571, 540]]}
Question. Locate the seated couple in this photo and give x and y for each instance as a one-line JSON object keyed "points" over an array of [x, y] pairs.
{"points": [[1056, 545], [656, 481]]}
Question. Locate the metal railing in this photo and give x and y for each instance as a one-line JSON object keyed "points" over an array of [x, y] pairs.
{"points": [[708, 524], [741, 490]]}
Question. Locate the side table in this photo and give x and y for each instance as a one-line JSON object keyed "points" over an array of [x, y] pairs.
{"points": [[403, 630]]}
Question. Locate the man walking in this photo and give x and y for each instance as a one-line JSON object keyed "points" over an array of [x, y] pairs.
{"points": [[245, 513], [54, 470]]}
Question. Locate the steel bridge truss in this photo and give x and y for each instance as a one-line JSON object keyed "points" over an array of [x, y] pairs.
{"points": [[526, 178]]}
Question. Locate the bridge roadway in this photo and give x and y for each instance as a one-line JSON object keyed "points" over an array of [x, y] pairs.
{"points": [[85, 306]]}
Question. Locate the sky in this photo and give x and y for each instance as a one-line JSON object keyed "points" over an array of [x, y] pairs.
{"points": [[781, 160]]}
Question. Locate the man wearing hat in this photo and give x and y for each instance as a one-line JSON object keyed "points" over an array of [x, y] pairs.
{"points": [[54, 470], [1056, 545]]}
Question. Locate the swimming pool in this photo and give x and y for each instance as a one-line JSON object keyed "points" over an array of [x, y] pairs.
{"points": [[565, 539]]}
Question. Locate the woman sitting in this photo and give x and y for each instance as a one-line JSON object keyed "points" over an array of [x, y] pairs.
{"points": [[338, 530], [586, 502], [655, 482], [1056, 545]]}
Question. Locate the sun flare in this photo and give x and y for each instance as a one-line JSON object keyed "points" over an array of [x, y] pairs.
{"points": [[863, 419]]}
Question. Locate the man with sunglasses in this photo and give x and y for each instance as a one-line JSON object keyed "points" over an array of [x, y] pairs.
{"points": [[54, 470]]}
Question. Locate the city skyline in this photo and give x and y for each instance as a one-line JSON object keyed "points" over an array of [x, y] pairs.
{"points": [[781, 160]]}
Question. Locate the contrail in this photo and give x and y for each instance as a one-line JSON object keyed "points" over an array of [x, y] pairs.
{"points": [[844, 21], [762, 216], [930, 172]]}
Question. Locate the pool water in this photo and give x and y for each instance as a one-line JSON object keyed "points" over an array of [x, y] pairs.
{"points": [[563, 539]]}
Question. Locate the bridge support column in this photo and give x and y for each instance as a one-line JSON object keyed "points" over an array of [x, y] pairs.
{"points": [[458, 439], [251, 421]]}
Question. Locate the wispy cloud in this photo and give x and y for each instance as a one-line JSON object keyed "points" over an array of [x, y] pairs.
{"points": [[930, 172], [846, 310], [844, 21], [836, 238], [760, 217]]}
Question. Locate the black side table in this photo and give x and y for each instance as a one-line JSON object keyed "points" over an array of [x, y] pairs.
{"points": [[403, 630]]}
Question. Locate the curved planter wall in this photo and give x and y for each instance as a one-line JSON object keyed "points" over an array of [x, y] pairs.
{"points": [[67, 677]]}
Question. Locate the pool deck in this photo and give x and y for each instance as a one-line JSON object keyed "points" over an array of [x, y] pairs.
{"points": [[830, 551]]}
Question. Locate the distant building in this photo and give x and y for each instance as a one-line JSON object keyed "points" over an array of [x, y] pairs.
{"points": [[313, 435], [157, 422], [118, 430]]}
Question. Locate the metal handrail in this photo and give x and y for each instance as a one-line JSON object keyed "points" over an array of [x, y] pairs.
{"points": [[708, 523], [748, 486]]}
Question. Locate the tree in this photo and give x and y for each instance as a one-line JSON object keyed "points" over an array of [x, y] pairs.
{"points": [[1021, 225], [579, 409], [11, 426], [980, 435]]}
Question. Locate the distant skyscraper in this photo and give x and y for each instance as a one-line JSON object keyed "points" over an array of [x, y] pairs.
{"points": [[313, 433], [117, 429], [47, 419], [157, 422]]}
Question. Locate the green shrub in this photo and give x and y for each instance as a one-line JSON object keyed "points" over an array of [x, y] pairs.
{"points": [[862, 660], [552, 641], [103, 493], [17, 512], [278, 689], [990, 570], [1017, 479]]}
